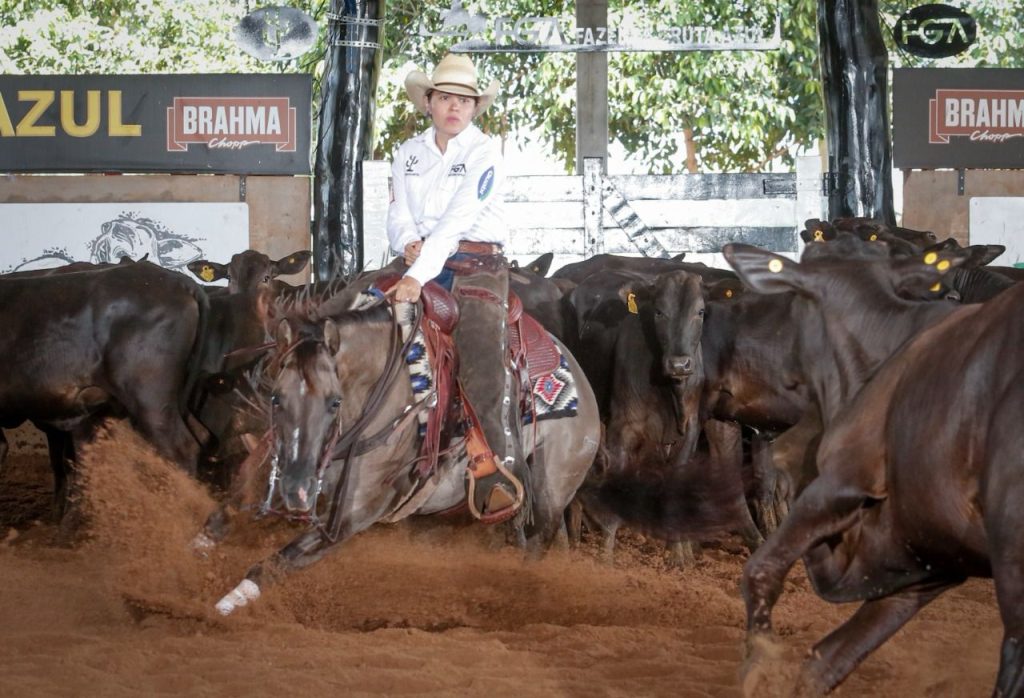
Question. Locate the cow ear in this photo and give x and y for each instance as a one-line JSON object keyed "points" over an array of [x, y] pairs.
{"points": [[724, 290], [817, 230], [542, 264], [208, 271], [332, 336], [922, 275], [293, 263], [984, 254], [635, 294], [763, 271]]}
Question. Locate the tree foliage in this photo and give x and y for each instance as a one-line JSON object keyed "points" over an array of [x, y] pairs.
{"points": [[742, 110]]}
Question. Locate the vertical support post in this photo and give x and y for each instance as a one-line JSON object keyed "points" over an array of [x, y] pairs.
{"points": [[854, 71], [591, 89], [593, 207], [345, 138]]}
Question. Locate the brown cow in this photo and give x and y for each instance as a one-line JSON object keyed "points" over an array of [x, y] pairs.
{"points": [[920, 473]]}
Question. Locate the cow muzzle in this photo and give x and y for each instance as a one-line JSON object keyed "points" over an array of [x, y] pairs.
{"points": [[679, 366]]}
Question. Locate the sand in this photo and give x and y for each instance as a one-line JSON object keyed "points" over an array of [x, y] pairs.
{"points": [[124, 608]]}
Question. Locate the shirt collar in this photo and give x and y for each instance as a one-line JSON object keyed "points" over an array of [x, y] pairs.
{"points": [[455, 144]]}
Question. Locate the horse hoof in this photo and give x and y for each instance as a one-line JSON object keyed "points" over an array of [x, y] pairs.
{"points": [[241, 595], [762, 667]]}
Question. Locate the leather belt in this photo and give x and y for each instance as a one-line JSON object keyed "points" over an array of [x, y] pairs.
{"points": [[468, 247]]}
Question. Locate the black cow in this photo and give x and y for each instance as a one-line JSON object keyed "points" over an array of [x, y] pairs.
{"points": [[920, 481], [225, 390], [643, 347], [119, 340], [248, 270]]}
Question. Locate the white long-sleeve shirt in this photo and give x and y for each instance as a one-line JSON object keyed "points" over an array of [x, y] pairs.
{"points": [[443, 198]]}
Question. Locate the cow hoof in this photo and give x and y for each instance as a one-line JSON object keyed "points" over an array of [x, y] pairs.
{"points": [[762, 672], [241, 595]]}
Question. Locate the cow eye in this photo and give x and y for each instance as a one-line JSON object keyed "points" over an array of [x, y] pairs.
{"points": [[658, 314]]}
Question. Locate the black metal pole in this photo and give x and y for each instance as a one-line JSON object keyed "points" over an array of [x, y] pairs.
{"points": [[345, 135], [854, 68]]}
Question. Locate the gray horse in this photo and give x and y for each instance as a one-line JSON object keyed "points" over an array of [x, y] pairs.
{"points": [[345, 435]]}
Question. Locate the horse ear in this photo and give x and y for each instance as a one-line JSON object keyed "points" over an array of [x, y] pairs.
{"points": [[284, 334], [332, 336]]}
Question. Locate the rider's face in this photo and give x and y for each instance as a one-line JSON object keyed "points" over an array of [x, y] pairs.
{"points": [[450, 113]]}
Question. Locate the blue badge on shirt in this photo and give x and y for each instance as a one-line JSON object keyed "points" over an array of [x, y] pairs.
{"points": [[483, 187]]}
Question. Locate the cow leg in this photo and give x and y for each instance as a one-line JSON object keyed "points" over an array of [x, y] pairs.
{"points": [[1003, 492], [725, 440], [682, 554], [838, 654], [774, 490], [827, 507], [61, 451]]}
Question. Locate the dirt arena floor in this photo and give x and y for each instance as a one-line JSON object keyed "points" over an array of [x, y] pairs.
{"points": [[127, 610]]}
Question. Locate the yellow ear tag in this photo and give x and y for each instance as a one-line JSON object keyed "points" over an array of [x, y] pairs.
{"points": [[631, 304], [931, 258], [936, 288], [819, 236], [775, 266], [206, 273], [873, 237], [943, 265], [728, 293]]}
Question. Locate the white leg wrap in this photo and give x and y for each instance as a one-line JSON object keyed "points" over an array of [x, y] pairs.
{"points": [[241, 595]]}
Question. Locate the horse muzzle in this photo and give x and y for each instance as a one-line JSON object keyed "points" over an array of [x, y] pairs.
{"points": [[299, 495]]}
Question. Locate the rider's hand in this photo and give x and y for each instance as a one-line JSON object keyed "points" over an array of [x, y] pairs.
{"points": [[407, 290], [412, 252]]}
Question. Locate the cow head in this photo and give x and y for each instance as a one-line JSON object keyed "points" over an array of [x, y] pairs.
{"points": [[248, 271], [671, 310]]}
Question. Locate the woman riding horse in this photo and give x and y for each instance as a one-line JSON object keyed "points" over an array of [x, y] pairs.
{"points": [[447, 222]]}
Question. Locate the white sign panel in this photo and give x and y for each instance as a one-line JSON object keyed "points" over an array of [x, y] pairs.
{"points": [[42, 236], [997, 220]]}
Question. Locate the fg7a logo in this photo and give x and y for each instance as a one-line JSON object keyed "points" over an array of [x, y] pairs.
{"points": [[935, 31]]}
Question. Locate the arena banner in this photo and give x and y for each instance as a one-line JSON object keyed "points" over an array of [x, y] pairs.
{"points": [[958, 118], [233, 124]]}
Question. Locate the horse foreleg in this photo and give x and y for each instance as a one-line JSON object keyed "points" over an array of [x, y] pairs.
{"points": [[825, 508], [301, 552], [838, 654]]}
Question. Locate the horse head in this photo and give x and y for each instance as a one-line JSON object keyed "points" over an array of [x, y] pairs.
{"points": [[323, 378]]}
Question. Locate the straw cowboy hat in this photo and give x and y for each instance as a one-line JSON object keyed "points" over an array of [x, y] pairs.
{"points": [[455, 75]]}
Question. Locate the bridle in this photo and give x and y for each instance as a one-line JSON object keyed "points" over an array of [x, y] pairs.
{"points": [[344, 445]]}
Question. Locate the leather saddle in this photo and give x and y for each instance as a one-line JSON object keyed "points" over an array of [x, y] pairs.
{"points": [[532, 351]]}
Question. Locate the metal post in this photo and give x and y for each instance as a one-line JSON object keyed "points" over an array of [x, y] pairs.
{"points": [[346, 133], [591, 89], [854, 67]]}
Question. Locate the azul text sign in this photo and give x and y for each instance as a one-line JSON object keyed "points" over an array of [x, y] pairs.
{"points": [[239, 124]]}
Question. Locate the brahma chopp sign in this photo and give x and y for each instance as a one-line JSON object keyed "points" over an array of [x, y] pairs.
{"points": [[235, 124], [958, 118]]}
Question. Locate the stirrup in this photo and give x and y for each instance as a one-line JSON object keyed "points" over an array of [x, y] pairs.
{"points": [[501, 504]]}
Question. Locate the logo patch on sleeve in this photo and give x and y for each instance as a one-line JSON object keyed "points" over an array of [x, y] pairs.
{"points": [[483, 187]]}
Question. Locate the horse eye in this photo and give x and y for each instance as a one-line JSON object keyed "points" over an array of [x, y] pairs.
{"points": [[335, 404], [700, 312], [658, 313], [275, 400]]}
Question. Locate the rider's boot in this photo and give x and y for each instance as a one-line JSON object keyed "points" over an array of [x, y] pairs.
{"points": [[496, 473]]}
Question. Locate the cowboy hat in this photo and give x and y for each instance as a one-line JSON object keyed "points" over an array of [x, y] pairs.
{"points": [[455, 75]]}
